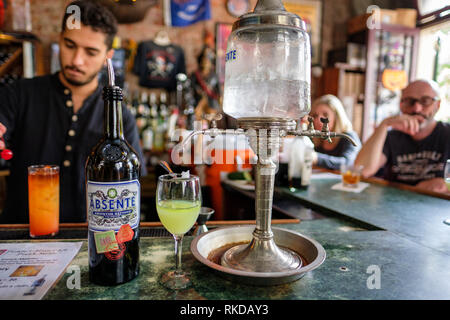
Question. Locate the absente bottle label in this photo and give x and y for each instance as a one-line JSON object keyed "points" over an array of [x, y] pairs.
{"points": [[113, 204]]}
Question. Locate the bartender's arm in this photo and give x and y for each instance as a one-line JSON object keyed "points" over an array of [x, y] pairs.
{"points": [[2, 132]]}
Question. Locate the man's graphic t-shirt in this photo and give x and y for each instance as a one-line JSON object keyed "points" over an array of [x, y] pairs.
{"points": [[410, 161], [157, 66]]}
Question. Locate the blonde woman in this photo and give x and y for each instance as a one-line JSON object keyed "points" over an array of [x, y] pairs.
{"points": [[332, 155]]}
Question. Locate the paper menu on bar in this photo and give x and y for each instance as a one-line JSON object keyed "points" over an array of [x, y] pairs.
{"points": [[29, 270]]}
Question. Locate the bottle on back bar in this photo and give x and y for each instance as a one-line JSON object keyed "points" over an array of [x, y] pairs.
{"points": [[113, 200], [300, 163], [307, 162]]}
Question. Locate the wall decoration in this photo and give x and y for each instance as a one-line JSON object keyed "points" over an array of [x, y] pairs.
{"points": [[182, 13], [311, 12]]}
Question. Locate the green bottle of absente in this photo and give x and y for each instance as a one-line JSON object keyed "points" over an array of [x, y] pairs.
{"points": [[113, 198]]}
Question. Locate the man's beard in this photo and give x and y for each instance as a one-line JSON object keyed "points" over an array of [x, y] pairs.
{"points": [[78, 83], [427, 119]]}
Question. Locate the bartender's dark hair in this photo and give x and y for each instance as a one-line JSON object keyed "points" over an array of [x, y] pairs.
{"points": [[94, 15]]}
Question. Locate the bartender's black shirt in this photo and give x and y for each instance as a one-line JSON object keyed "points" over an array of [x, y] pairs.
{"points": [[43, 129]]}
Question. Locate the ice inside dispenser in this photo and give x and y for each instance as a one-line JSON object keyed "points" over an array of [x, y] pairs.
{"points": [[268, 71]]}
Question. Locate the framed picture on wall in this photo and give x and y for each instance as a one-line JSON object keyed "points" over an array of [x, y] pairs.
{"points": [[311, 12], [223, 30]]}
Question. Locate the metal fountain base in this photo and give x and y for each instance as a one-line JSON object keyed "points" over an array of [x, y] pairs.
{"points": [[261, 255], [210, 248]]}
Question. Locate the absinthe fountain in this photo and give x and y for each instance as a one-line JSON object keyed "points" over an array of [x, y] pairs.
{"points": [[267, 88]]}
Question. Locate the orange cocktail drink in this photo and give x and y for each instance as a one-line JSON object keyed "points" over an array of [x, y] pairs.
{"points": [[350, 178], [43, 200], [351, 175]]}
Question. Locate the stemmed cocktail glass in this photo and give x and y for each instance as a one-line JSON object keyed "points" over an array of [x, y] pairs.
{"points": [[178, 202]]}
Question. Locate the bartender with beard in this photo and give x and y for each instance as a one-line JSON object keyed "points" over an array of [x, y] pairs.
{"points": [[58, 118]]}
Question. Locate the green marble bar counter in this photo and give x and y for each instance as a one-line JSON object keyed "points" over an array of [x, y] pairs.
{"points": [[382, 243], [407, 270], [411, 215]]}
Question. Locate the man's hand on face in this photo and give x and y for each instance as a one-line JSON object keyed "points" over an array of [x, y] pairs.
{"points": [[409, 124]]}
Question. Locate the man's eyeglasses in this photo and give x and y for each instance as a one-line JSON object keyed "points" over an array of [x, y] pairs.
{"points": [[424, 101]]}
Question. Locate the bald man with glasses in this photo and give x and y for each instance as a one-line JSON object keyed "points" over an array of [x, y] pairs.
{"points": [[411, 147]]}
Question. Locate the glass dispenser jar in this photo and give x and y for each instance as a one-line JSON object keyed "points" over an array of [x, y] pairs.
{"points": [[268, 66]]}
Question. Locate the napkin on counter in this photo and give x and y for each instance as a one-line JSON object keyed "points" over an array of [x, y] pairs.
{"points": [[341, 187], [325, 175]]}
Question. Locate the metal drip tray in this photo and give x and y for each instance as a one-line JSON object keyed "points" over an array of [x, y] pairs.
{"points": [[209, 247]]}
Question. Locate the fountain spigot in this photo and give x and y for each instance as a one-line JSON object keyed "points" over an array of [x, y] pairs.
{"points": [[212, 118], [324, 134], [325, 129], [212, 131]]}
